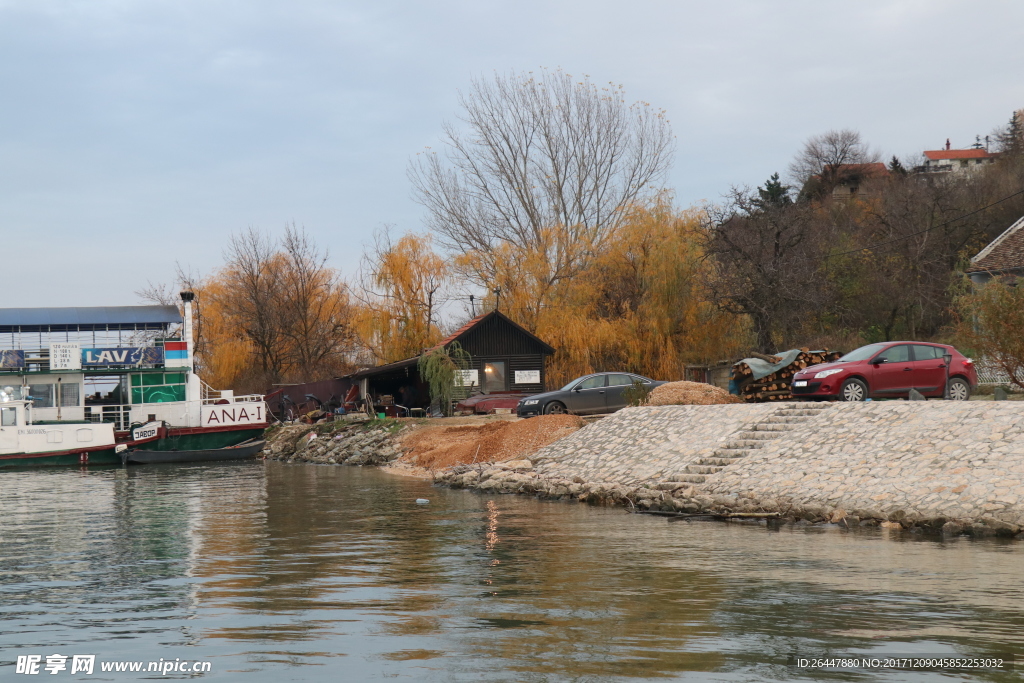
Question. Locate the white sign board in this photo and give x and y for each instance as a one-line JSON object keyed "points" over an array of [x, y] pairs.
{"points": [[228, 414], [527, 376], [65, 357], [147, 432], [470, 378]]}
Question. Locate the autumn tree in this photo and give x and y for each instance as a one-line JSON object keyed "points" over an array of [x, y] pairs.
{"points": [[992, 324], [313, 311], [825, 159], [276, 312], [250, 294], [643, 303], [401, 286], [541, 174], [766, 256]]}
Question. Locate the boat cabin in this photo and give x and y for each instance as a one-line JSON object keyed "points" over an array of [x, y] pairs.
{"points": [[21, 434], [122, 365]]}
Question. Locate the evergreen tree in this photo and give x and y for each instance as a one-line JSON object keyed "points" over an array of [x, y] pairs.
{"points": [[1010, 140], [895, 167], [773, 195]]}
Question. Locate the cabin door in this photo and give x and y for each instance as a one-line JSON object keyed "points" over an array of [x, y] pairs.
{"points": [[8, 429]]}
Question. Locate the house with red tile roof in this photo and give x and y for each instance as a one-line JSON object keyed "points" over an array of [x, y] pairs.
{"points": [[956, 160], [1003, 257]]}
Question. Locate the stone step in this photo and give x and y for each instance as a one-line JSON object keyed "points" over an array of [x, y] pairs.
{"points": [[798, 413], [693, 478], [756, 436], [720, 462], [772, 427], [785, 419], [731, 452], [703, 469], [745, 444]]}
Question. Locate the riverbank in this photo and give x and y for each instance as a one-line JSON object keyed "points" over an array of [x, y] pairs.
{"points": [[942, 466], [418, 447]]}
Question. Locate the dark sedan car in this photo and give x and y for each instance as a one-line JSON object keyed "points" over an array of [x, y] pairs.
{"points": [[597, 393]]}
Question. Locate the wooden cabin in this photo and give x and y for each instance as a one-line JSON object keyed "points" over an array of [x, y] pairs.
{"points": [[506, 358]]}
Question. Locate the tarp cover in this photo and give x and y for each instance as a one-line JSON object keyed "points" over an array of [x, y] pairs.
{"points": [[762, 368]]}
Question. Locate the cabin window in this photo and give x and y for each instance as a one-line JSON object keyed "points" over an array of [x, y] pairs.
{"points": [[158, 387], [69, 396], [42, 395], [494, 377], [8, 417]]}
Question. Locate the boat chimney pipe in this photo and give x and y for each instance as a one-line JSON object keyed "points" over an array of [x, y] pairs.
{"points": [[187, 298]]}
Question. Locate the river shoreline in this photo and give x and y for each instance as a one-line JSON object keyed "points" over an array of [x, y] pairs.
{"points": [[943, 467]]}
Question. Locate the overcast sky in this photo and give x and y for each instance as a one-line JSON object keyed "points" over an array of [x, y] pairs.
{"points": [[137, 133]]}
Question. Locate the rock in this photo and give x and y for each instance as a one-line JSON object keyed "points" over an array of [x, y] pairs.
{"points": [[979, 530], [952, 528], [1000, 528], [891, 525], [519, 465]]}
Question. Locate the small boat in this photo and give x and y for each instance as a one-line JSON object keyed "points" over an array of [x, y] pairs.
{"points": [[25, 442], [238, 452]]}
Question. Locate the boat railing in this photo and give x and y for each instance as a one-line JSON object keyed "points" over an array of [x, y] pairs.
{"points": [[120, 415], [211, 396]]}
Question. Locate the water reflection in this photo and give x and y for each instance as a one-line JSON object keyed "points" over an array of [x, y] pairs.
{"points": [[324, 572]]}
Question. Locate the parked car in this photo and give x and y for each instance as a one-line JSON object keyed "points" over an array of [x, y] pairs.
{"points": [[588, 395], [889, 370]]}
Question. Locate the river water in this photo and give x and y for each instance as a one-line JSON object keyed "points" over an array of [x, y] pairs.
{"points": [[276, 572]]}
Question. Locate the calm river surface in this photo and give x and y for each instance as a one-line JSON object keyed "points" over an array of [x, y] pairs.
{"points": [[276, 572]]}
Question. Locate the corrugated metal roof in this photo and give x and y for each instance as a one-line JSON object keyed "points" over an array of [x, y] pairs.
{"points": [[91, 317]]}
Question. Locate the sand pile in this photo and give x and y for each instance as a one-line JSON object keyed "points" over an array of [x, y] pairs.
{"points": [[690, 394], [435, 447]]}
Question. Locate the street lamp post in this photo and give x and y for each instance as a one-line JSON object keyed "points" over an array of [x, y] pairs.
{"points": [[947, 358]]}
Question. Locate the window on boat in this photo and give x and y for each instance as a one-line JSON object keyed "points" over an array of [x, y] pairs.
{"points": [[158, 387], [69, 395], [41, 395], [8, 417], [106, 390]]}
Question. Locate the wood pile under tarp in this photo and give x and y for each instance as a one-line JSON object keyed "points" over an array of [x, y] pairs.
{"points": [[769, 378]]}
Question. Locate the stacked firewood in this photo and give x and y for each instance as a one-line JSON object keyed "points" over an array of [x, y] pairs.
{"points": [[776, 386]]}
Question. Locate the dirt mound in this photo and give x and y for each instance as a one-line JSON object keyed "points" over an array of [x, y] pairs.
{"points": [[435, 447], [690, 394]]}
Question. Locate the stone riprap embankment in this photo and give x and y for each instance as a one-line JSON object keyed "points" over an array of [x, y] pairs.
{"points": [[333, 444], [641, 446], [958, 466]]}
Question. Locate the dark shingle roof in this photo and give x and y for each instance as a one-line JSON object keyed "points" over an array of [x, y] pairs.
{"points": [[1004, 253]]}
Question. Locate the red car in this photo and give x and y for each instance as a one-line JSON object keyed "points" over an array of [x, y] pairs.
{"points": [[889, 370]]}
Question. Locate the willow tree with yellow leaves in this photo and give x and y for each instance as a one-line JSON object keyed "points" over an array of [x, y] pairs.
{"points": [[643, 303], [401, 287]]}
